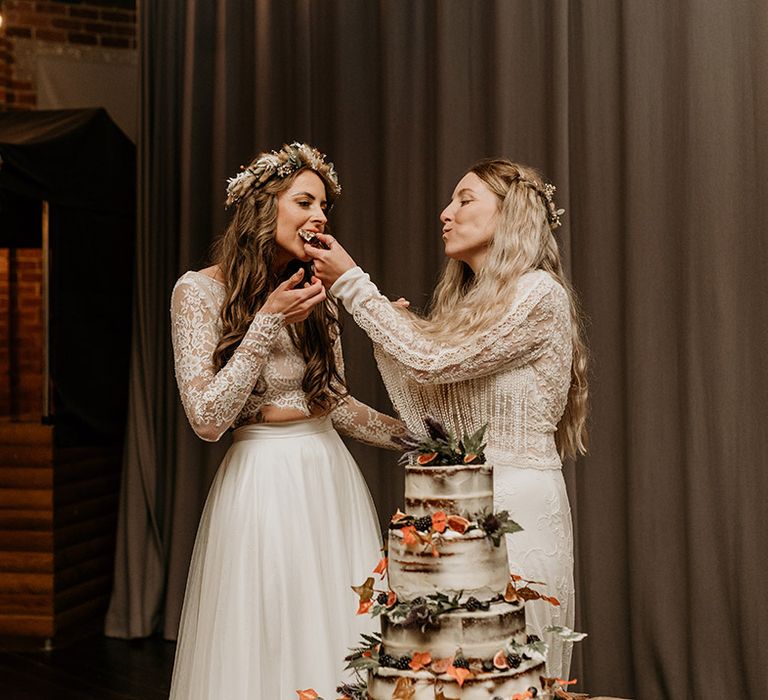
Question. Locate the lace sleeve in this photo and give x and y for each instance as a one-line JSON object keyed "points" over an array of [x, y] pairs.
{"points": [[519, 337], [361, 422], [212, 400]]}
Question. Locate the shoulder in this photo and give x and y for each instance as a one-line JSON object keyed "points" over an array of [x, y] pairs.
{"points": [[539, 294], [214, 272], [539, 284], [197, 288]]}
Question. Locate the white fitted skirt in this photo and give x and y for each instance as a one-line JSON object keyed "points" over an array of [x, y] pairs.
{"points": [[289, 525], [543, 551]]}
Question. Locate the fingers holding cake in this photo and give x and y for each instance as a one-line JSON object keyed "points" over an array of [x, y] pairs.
{"points": [[330, 259]]}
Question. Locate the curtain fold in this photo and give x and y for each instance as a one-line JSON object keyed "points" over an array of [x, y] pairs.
{"points": [[649, 117]]}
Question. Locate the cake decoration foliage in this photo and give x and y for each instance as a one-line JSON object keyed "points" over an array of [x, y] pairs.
{"points": [[525, 592], [454, 625], [308, 694], [440, 447], [421, 530], [353, 691]]}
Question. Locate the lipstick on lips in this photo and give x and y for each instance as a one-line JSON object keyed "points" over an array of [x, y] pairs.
{"points": [[312, 239]]}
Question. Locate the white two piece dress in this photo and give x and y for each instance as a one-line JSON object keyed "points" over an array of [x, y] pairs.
{"points": [[514, 377], [288, 525]]}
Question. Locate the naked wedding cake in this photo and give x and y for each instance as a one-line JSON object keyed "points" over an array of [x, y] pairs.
{"points": [[452, 616], [452, 622]]}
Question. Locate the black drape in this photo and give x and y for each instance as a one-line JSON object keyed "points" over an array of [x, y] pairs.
{"points": [[84, 167]]}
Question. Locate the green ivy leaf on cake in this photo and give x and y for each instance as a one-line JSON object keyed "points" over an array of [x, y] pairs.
{"points": [[440, 447], [366, 654], [422, 612], [353, 691], [496, 525]]}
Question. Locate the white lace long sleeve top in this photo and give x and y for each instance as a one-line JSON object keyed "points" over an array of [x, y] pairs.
{"points": [[514, 375], [265, 369]]}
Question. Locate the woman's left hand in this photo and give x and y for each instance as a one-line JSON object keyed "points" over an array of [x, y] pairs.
{"points": [[329, 264]]}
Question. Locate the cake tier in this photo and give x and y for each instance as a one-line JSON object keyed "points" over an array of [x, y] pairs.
{"points": [[457, 490], [484, 686], [479, 634], [467, 562]]}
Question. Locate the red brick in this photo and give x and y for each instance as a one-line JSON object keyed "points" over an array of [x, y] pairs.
{"points": [[56, 36], [23, 32], [84, 12], [30, 303], [20, 85], [29, 325], [82, 39], [64, 23], [28, 19], [117, 16], [98, 28], [123, 30], [115, 42], [51, 8], [23, 288], [27, 263], [27, 267]]}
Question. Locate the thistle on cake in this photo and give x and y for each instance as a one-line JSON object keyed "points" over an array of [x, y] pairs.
{"points": [[441, 447]]}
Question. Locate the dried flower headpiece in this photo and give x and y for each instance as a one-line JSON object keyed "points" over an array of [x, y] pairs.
{"points": [[546, 192], [280, 164], [553, 213]]}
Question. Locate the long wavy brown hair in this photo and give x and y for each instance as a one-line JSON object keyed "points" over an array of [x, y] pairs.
{"points": [[245, 254], [465, 302]]}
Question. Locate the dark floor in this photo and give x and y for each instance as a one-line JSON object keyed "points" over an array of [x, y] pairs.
{"points": [[93, 669]]}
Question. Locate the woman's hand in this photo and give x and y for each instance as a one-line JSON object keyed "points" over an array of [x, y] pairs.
{"points": [[329, 264], [295, 303]]}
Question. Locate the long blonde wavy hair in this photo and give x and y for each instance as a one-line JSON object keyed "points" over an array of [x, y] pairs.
{"points": [[245, 254], [465, 302]]}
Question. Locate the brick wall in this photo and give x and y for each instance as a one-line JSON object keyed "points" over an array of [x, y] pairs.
{"points": [[5, 334], [30, 26], [30, 23], [21, 333]]}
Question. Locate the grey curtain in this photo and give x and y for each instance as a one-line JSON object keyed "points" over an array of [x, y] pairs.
{"points": [[650, 118]]}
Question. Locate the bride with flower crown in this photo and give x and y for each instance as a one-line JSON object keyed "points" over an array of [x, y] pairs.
{"points": [[288, 522], [502, 345]]}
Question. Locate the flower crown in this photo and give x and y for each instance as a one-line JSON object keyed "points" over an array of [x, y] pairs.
{"points": [[280, 164], [553, 213], [546, 192]]}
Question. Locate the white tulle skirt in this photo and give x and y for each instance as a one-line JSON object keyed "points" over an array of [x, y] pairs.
{"points": [[543, 551], [288, 526]]}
